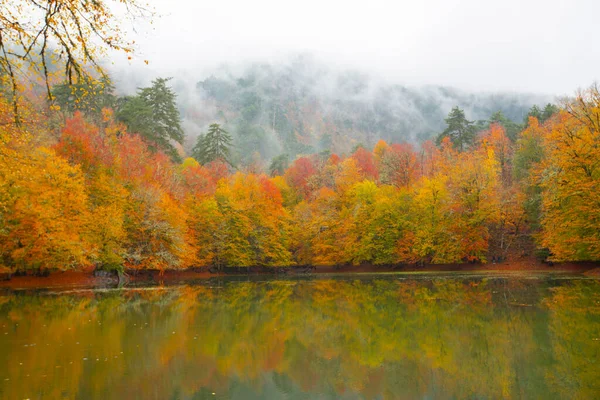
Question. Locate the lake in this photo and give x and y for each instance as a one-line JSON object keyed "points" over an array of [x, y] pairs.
{"points": [[392, 336]]}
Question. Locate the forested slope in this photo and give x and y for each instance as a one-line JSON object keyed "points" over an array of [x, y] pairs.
{"points": [[303, 107]]}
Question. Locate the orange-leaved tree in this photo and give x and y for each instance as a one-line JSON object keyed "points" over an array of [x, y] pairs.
{"points": [[44, 211], [570, 181]]}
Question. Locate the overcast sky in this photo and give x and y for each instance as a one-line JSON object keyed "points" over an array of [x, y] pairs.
{"points": [[545, 46]]}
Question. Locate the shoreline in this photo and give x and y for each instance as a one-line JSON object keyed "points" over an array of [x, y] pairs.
{"points": [[87, 279]]}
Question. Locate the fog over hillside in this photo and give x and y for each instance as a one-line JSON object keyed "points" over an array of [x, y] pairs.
{"points": [[329, 75], [302, 106]]}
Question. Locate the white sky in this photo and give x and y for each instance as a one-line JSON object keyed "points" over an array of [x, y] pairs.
{"points": [[545, 46]]}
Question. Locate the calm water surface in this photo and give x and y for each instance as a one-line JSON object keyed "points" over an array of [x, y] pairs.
{"points": [[396, 336]]}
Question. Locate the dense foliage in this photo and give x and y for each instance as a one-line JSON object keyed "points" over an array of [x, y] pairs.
{"points": [[105, 196]]}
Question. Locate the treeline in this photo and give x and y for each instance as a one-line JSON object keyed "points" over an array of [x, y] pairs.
{"points": [[101, 194]]}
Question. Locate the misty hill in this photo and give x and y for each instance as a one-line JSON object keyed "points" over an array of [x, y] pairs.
{"points": [[303, 107]]}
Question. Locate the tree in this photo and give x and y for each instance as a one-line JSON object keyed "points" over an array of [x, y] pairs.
{"points": [[298, 175], [496, 138], [207, 223], [372, 223], [213, 146], [381, 147], [244, 226], [366, 163], [106, 230], [541, 115], [534, 112], [43, 212], [197, 178], [399, 165], [570, 181], [549, 111], [157, 231], [279, 164], [87, 96], [154, 115], [529, 153], [512, 128], [35, 35], [473, 201], [460, 130], [315, 230], [432, 240]]}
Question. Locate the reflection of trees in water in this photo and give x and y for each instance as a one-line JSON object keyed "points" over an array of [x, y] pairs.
{"points": [[574, 330], [401, 339]]}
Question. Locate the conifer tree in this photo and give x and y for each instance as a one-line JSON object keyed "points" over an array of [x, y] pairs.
{"points": [[214, 145], [154, 115], [460, 130]]}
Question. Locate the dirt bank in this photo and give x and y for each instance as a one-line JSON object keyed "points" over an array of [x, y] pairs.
{"points": [[87, 278]]}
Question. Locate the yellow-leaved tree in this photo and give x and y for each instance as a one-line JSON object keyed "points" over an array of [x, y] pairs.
{"points": [[43, 212], [570, 181]]}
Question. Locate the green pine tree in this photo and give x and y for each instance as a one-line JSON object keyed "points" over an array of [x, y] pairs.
{"points": [[534, 111], [214, 145], [460, 130], [154, 115], [548, 112]]}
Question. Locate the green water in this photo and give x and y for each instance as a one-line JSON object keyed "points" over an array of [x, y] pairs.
{"points": [[526, 336]]}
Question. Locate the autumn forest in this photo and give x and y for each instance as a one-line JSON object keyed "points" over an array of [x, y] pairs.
{"points": [[322, 200], [273, 167], [87, 185]]}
